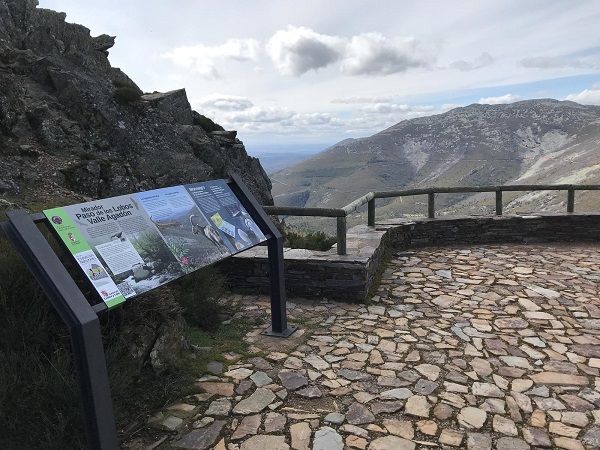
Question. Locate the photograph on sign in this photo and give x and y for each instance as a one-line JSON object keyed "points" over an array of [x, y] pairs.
{"points": [[99, 277], [184, 228], [230, 219]]}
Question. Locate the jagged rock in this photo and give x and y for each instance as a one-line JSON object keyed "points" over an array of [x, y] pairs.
{"points": [[57, 98], [103, 42], [174, 103]]}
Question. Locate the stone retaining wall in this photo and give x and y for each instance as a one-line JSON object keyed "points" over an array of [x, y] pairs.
{"points": [[313, 274], [496, 229]]}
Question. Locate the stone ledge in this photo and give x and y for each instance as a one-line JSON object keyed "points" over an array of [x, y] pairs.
{"points": [[314, 274]]}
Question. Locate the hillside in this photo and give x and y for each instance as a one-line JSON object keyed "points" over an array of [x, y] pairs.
{"points": [[72, 127], [534, 141]]}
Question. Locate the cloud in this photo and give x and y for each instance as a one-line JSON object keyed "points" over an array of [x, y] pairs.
{"points": [[261, 114], [226, 102], [374, 54], [298, 50], [508, 98], [586, 97], [353, 100], [385, 108], [388, 108], [200, 58], [485, 59], [312, 119], [561, 62]]}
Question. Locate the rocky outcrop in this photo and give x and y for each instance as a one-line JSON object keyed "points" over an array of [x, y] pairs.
{"points": [[72, 126]]}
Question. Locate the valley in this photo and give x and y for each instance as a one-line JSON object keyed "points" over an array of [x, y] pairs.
{"points": [[529, 142]]}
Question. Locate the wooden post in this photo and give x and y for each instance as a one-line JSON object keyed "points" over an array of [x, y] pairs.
{"points": [[431, 205], [498, 202], [341, 235], [570, 200], [371, 212]]}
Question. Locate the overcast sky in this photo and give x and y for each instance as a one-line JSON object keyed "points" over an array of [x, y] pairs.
{"points": [[319, 71]]}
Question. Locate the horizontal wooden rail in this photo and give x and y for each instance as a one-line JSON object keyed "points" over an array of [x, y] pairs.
{"points": [[369, 199], [298, 211]]}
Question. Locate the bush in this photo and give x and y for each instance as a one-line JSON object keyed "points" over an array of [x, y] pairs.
{"points": [[125, 95], [39, 397], [198, 295], [39, 392], [309, 240], [205, 123]]}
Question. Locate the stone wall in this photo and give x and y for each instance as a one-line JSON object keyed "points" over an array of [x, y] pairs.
{"points": [[496, 229], [349, 278], [307, 274]]}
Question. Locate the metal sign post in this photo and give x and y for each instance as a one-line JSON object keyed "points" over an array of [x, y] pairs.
{"points": [[81, 318], [279, 326]]}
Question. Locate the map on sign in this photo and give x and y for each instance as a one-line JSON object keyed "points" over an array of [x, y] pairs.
{"points": [[131, 244]]}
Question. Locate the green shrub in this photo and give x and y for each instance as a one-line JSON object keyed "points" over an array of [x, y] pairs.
{"points": [[310, 240], [39, 392], [205, 123], [125, 95], [198, 295], [39, 397]]}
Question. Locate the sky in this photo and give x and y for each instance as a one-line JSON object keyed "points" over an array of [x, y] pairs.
{"points": [[308, 74]]}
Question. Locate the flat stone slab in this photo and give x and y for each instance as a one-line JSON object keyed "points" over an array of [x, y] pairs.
{"points": [[327, 438], [292, 380], [359, 414], [471, 417], [263, 442], [511, 322], [591, 351], [487, 390], [508, 443], [203, 438], [559, 378], [417, 405], [259, 400], [398, 394], [392, 443]]}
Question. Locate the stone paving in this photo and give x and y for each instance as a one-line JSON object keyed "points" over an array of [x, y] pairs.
{"points": [[487, 347]]}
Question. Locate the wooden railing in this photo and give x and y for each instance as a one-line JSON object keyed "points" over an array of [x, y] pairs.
{"points": [[369, 199]]}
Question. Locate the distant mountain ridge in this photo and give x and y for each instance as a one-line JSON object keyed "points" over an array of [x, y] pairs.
{"points": [[528, 142]]}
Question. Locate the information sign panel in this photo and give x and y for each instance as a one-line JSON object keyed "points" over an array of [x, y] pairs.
{"points": [[130, 244]]}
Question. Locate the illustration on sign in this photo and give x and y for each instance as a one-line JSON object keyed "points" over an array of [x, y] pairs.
{"points": [[130, 244]]}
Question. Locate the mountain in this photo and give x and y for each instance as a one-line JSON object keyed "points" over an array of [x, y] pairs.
{"points": [[72, 127], [528, 142]]}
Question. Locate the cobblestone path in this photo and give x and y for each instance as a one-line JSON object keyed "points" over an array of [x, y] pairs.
{"points": [[490, 347]]}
